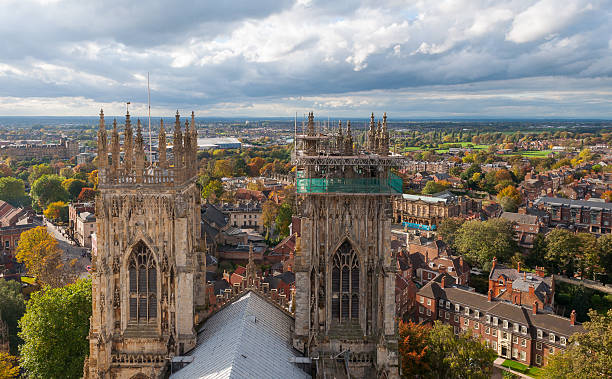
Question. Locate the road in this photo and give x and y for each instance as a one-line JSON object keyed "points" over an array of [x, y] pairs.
{"points": [[71, 251]]}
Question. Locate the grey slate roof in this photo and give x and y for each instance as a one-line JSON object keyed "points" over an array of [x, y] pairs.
{"points": [[569, 202], [520, 218], [249, 338]]}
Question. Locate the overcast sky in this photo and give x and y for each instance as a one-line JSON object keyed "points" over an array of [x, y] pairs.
{"points": [[430, 58]]}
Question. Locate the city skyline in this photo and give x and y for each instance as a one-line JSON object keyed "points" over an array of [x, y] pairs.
{"points": [[451, 59]]}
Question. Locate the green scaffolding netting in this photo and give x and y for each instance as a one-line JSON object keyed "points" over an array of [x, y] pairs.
{"points": [[391, 184]]}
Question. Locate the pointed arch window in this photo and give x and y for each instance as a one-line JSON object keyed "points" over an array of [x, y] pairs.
{"points": [[345, 284], [142, 271]]}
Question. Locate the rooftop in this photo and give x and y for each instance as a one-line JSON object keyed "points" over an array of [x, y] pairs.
{"points": [[249, 338]]}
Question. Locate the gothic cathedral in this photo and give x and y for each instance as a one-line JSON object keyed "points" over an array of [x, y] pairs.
{"points": [[345, 271], [148, 267]]}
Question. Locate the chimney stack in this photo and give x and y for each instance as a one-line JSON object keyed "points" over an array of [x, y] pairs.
{"points": [[494, 263], [518, 266], [443, 281], [535, 308], [490, 295], [573, 317]]}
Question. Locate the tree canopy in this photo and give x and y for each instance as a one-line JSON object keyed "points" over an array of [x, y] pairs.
{"points": [[436, 352], [57, 211], [74, 187], [47, 189], [589, 354], [54, 330], [480, 241], [12, 190], [9, 368], [40, 253], [12, 306]]}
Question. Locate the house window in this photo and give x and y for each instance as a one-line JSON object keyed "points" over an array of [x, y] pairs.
{"points": [[516, 327], [551, 350], [448, 305], [539, 333], [422, 300], [476, 325], [440, 313], [563, 341], [551, 337], [142, 271], [428, 301], [538, 359], [345, 283], [441, 303], [523, 329], [467, 311], [514, 353], [446, 315], [495, 321], [466, 322], [494, 333], [538, 345], [505, 336], [456, 307], [488, 330], [7, 244], [495, 345], [505, 324], [421, 310], [515, 339], [477, 314], [456, 318], [523, 356], [428, 312], [456, 329], [488, 319], [524, 342]]}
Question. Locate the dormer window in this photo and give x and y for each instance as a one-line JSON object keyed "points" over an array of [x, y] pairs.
{"points": [[539, 333], [488, 319], [467, 311], [448, 305], [505, 324], [477, 314], [523, 329], [551, 337], [457, 307], [441, 302], [563, 341], [495, 321], [516, 327]]}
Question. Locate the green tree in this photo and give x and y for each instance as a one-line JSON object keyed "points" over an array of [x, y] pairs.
{"points": [[268, 214], [66, 172], [283, 219], [47, 189], [12, 190], [223, 168], [87, 194], [38, 171], [12, 306], [562, 248], [212, 190], [74, 187], [432, 187], [448, 229], [54, 330], [480, 241], [605, 259], [510, 198], [588, 355], [462, 356]]}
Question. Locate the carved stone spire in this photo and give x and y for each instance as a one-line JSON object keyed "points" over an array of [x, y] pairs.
{"points": [[102, 143], [379, 138], [139, 154], [177, 144], [348, 140], [115, 149], [251, 269], [372, 135], [187, 146], [310, 129], [340, 138], [194, 142], [384, 149], [162, 145], [128, 145]]}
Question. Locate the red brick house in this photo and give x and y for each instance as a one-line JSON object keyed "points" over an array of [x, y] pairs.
{"points": [[521, 288]]}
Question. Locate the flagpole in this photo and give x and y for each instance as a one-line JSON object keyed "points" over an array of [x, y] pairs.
{"points": [[150, 138]]}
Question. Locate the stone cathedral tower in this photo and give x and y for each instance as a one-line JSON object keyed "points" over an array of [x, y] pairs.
{"points": [[148, 268], [345, 271]]}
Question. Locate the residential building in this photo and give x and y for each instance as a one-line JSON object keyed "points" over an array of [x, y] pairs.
{"points": [[526, 228], [522, 288], [65, 149], [246, 215], [84, 228], [524, 334], [592, 216]]}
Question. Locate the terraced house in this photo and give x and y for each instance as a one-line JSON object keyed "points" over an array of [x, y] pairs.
{"points": [[525, 334]]}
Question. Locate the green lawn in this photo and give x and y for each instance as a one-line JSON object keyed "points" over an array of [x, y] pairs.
{"points": [[534, 372]]}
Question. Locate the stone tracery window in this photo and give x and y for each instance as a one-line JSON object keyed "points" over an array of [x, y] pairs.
{"points": [[143, 285], [345, 284]]}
